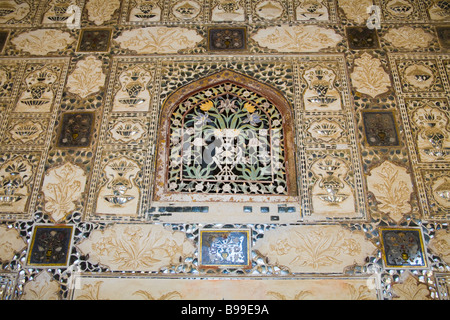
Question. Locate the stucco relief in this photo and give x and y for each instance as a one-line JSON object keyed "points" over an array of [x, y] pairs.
{"points": [[120, 195], [91, 288], [87, 78], [136, 247], [355, 10], [392, 187], [317, 249], [297, 38], [158, 39], [100, 11], [331, 193], [15, 184], [43, 287], [133, 94], [42, 41], [369, 77], [11, 242], [440, 244], [409, 38], [62, 188], [411, 289]]}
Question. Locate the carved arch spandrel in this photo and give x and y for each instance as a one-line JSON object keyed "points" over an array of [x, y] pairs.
{"points": [[226, 76]]}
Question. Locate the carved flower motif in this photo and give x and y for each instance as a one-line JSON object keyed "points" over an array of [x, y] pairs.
{"points": [[297, 38], [62, 187], [411, 289], [392, 187], [100, 11], [355, 10], [137, 247], [158, 39], [314, 248], [11, 243], [87, 77], [43, 287], [440, 244], [409, 38], [369, 77], [42, 41]]}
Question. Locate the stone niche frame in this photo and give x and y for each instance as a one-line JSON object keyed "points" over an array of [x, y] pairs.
{"points": [[161, 194]]}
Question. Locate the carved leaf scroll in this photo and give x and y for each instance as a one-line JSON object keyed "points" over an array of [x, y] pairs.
{"points": [[369, 77]]}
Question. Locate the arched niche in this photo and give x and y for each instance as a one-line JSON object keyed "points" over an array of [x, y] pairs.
{"points": [[212, 134]]}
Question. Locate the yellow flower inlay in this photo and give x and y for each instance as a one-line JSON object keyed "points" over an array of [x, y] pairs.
{"points": [[249, 107], [207, 105]]}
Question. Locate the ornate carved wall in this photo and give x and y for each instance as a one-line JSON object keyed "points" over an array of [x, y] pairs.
{"points": [[286, 149]]}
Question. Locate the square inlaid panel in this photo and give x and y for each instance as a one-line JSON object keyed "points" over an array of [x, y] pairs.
{"points": [[224, 248], [3, 38], [94, 40], [380, 128], [403, 248], [225, 39], [443, 34], [50, 246], [76, 129], [362, 38]]}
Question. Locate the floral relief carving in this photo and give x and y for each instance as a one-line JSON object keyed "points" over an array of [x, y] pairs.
{"points": [[137, 247], [409, 38], [92, 292], [42, 41], [100, 11], [348, 291], [87, 78], [392, 187], [440, 190], [325, 130], [297, 38], [11, 243], [62, 187], [148, 288], [158, 39], [186, 10], [440, 244], [438, 10], [314, 248], [268, 9], [356, 10], [369, 77], [411, 289], [43, 287]]}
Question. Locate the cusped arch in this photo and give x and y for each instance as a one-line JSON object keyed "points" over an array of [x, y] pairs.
{"points": [[225, 94]]}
